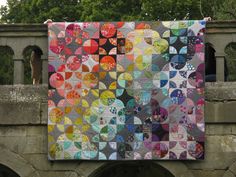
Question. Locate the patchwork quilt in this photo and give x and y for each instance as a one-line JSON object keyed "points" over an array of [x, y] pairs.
{"points": [[126, 90]]}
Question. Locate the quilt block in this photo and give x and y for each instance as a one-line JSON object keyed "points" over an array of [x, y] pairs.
{"points": [[126, 90]]}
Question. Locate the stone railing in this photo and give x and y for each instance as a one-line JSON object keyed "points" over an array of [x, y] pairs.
{"points": [[220, 34], [20, 36]]}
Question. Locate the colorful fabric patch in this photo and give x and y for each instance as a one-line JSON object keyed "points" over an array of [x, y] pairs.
{"points": [[126, 90]]}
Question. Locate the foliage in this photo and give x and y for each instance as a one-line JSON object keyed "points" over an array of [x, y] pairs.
{"points": [[27, 68], [6, 72], [37, 11], [230, 50], [227, 11], [112, 10]]}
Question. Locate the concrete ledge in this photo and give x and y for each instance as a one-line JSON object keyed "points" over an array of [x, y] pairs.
{"points": [[23, 30], [37, 27], [220, 129], [215, 91], [220, 91], [23, 93]]}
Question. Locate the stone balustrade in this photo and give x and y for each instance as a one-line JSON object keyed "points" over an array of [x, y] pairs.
{"points": [[20, 36]]}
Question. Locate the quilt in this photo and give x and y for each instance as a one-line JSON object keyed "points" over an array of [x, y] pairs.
{"points": [[126, 90]]}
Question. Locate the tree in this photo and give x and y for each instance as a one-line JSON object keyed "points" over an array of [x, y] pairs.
{"points": [[6, 69], [110, 10], [227, 11], [170, 9], [37, 11]]}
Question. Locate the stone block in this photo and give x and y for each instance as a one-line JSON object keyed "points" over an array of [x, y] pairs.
{"points": [[36, 130], [232, 168], [220, 112], [220, 91], [19, 113], [31, 93], [219, 129], [209, 112], [221, 143], [6, 93], [228, 174], [13, 143], [12, 131], [35, 144]]}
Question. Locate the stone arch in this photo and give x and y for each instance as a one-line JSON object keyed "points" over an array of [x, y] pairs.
{"points": [[172, 168], [231, 172], [7, 172], [6, 59], [210, 63], [17, 163], [230, 58], [26, 55]]}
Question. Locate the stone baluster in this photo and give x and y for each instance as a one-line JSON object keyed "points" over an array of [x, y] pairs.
{"points": [[44, 71], [220, 66], [18, 71]]}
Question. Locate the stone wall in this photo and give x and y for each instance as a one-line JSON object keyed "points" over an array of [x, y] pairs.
{"points": [[23, 137]]}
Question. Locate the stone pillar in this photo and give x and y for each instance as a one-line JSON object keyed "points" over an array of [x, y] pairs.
{"points": [[18, 71], [220, 67], [44, 71]]}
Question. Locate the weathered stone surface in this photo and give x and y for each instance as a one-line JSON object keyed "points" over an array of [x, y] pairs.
{"points": [[232, 168], [34, 174], [31, 93], [23, 93], [219, 129], [234, 130], [44, 113], [220, 91], [36, 130], [221, 143], [213, 160], [220, 112], [58, 174], [208, 173], [16, 162], [13, 143], [36, 144], [6, 93], [42, 163], [19, 113], [18, 70], [9, 131], [228, 174]]}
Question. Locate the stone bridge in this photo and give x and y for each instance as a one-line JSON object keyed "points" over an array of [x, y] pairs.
{"points": [[23, 120]]}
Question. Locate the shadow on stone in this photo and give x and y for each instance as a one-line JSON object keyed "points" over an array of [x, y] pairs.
{"points": [[132, 169]]}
